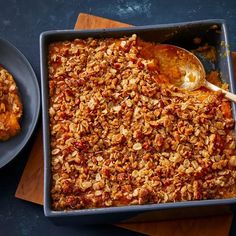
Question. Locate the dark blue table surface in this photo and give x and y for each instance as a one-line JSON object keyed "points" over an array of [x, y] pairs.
{"points": [[21, 22]]}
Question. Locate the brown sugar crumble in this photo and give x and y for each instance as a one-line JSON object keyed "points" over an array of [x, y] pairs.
{"points": [[121, 134]]}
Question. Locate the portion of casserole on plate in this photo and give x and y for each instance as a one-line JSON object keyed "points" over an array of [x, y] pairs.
{"points": [[10, 106], [123, 134]]}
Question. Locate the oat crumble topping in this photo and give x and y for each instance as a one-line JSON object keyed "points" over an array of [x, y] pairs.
{"points": [[122, 135]]}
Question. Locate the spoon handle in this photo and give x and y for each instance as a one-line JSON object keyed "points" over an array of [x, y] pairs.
{"points": [[228, 95]]}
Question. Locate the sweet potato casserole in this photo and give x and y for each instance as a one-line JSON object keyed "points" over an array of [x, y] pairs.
{"points": [[10, 106], [122, 134]]}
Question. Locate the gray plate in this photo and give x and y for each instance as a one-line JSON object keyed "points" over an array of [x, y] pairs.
{"points": [[16, 63]]}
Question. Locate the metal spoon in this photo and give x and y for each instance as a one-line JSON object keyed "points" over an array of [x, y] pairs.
{"points": [[193, 75]]}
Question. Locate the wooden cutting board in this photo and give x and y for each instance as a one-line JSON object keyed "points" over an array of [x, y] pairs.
{"points": [[30, 187]]}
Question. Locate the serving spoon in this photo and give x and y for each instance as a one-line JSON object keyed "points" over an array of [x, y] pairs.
{"points": [[193, 75]]}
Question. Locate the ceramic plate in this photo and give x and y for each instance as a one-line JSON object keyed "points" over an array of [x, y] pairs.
{"points": [[17, 65]]}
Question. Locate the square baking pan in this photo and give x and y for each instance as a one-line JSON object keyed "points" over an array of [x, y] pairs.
{"points": [[213, 32]]}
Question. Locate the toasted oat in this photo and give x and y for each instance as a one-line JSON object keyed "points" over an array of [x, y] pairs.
{"points": [[122, 135]]}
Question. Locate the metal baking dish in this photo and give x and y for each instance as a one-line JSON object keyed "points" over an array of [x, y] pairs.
{"points": [[213, 32]]}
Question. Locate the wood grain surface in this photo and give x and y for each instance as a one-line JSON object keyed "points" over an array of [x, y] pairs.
{"points": [[30, 187]]}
